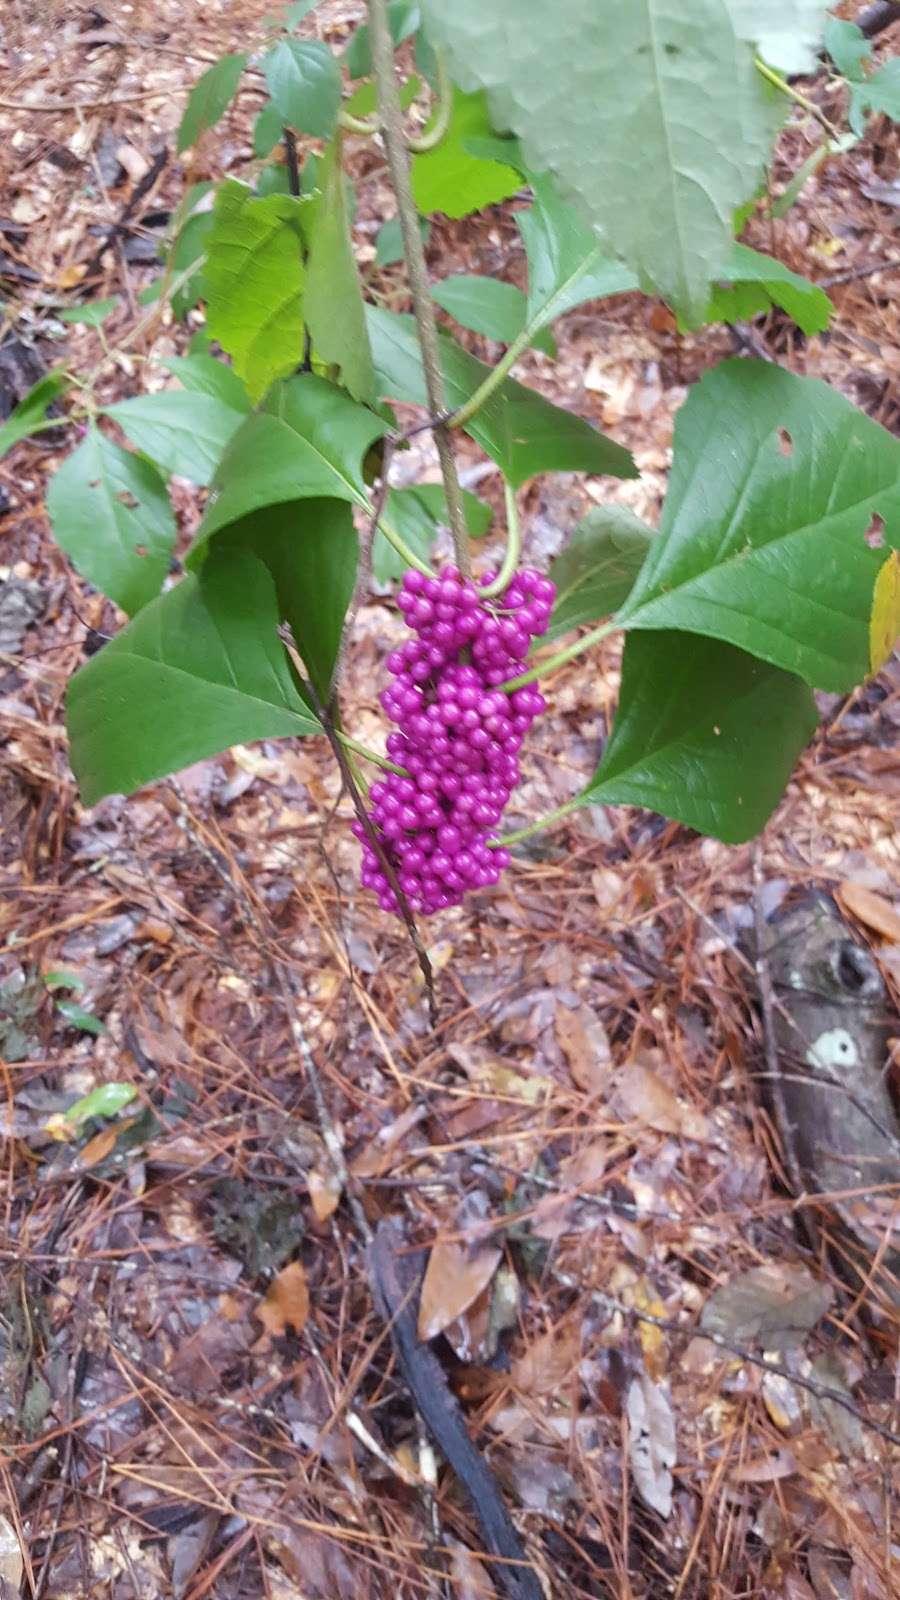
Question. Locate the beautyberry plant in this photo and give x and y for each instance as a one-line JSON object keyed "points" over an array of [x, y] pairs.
{"points": [[641, 135]]}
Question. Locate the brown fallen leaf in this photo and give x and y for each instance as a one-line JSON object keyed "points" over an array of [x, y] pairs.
{"points": [[286, 1303], [774, 1305], [547, 1365], [585, 1045], [324, 1193], [642, 1094], [652, 1340], [651, 1443], [871, 909], [469, 1577], [454, 1278]]}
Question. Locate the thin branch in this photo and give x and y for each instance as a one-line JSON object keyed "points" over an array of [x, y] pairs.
{"points": [[384, 860], [783, 87], [391, 114]]}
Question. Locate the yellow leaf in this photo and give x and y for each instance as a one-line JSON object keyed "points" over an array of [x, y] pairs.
{"points": [[652, 1342], [884, 623], [286, 1304], [324, 1193]]}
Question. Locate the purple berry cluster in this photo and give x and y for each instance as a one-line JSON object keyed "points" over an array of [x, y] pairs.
{"points": [[458, 736]]}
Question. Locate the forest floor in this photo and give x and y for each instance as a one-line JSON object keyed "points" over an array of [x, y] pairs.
{"points": [[199, 1397]]}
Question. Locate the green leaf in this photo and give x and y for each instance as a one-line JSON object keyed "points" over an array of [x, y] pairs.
{"points": [[450, 179], [111, 514], [199, 670], [364, 102], [267, 130], [308, 441], [189, 247], [416, 514], [566, 266], [333, 302], [881, 92], [107, 1100], [92, 314], [477, 513], [788, 36], [488, 306], [273, 179], [304, 80], [209, 99], [63, 980], [76, 1016], [180, 431], [498, 147], [203, 374], [848, 48], [254, 276], [389, 243], [310, 550], [404, 18], [652, 116], [517, 428], [774, 486], [704, 733], [32, 409], [595, 572], [752, 283]]}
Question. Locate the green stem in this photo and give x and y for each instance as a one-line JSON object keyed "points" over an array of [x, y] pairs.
{"points": [[497, 375], [403, 550], [550, 663], [500, 372], [362, 126], [783, 87], [513, 546], [422, 142], [391, 114], [369, 755], [535, 827]]}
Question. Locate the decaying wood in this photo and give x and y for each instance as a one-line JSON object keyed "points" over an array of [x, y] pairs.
{"points": [[831, 1022]]}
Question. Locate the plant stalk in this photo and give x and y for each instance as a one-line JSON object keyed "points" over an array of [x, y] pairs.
{"points": [[422, 142], [513, 546], [403, 550], [535, 827], [496, 376], [391, 114], [550, 663], [369, 755], [783, 87]]}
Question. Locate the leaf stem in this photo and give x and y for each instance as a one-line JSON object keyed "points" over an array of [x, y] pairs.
{"points": [[497, 375], [501, 371], [513, 545], [535, 827], [363, 127], [420, 143], [391, 114], [782, 85], [403, 550], [369, 755], [550, 663]]}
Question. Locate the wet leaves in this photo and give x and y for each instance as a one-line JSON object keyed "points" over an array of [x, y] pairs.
{"points": [[651, 1443], [286, 1303], [773, 1305]]}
